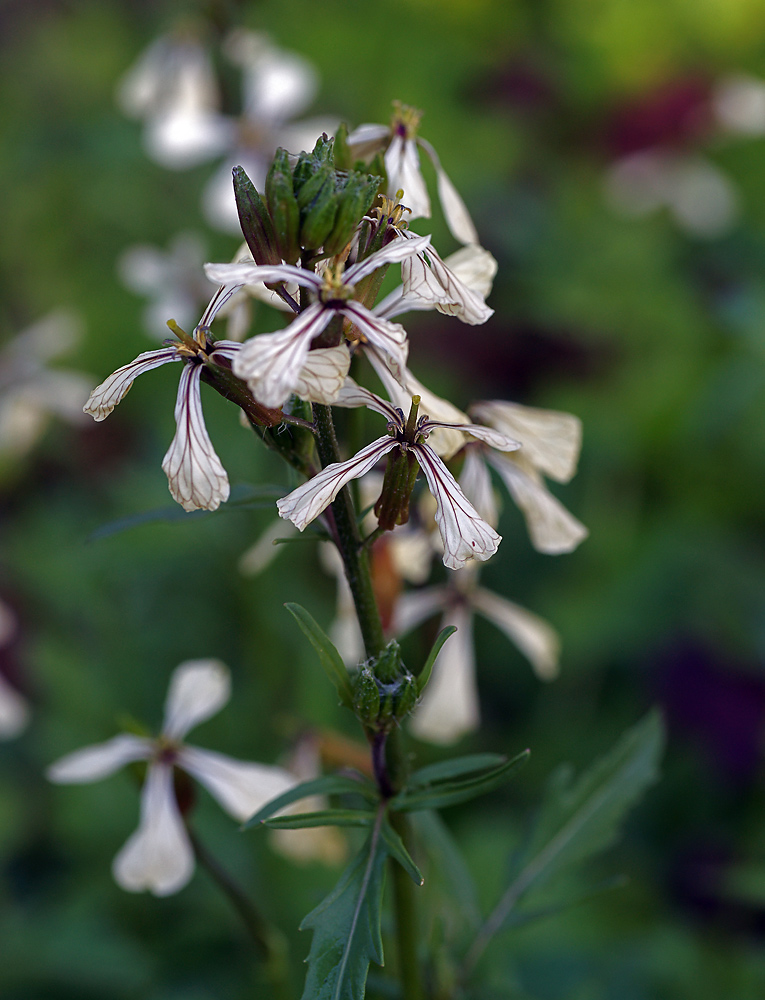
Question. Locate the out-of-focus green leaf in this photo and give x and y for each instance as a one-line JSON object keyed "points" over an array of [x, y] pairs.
{"points": [[449, 793], [454, 767], [427, 669], [328, 784], [396, 849], [324, 817], [328, 654], [448, 863]]}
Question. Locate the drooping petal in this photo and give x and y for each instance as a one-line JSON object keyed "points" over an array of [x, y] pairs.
{"points": [[158, 856], [195, 476], [449, 706], [100, 760], [464, 532], [352, 395], [250, 273], [495, 439], [239, 786], [220, 298], [321, 377], [475, 482], [456, 214], [392, 253], [534, 637], [553, 530], [305, 503], [105, 397], [271, 363], [551, 439], [390, 338], [198, 689], [402, 165], [427, 277], [366, 139]]}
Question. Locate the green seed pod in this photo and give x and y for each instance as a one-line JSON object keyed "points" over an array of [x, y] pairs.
{"points": [[255, 221], [392, 506], [355, 200], [283, 207]]}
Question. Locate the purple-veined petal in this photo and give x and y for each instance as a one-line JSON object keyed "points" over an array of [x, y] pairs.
{"points": [[495, 439], [352, 394], [224, 349], [271, 363], [475, 267], [456, 214], [221, 297], [553, 530], [449, 706], [245, 273], [551, 439], [323, 373], [198, 689], [392, 253], [367, 139], [433, 282], [158, 856], [305, 503], [464, 532], [105, 397], [239, 786], [100, 760], [390, 338], [475, 482], [534, 637], [402, 165], [195, 476]]}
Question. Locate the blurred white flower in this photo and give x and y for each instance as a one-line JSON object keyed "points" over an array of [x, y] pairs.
{"points": [[159, 856], [31, 392], [738, 102], [14, 709]]}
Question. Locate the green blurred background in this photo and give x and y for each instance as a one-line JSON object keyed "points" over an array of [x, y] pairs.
{"points": [[648, 326]]}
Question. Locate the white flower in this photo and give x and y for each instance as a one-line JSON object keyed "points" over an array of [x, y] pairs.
{"points": [[271, 363], [551, 442], [402, 165], [464, 533], [450, 706], [159, 856], [14, 710], [31, 392]]}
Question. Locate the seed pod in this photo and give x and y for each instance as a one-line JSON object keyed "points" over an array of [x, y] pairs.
{"points": [[283, 207], [255, 221]]}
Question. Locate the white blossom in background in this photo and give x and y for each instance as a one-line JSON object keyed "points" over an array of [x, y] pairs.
{"points": [[551, 442], [400, 142], [159, 856], [14, 709], [738, 104], [450, 706], [31, 392], [463, 531]]}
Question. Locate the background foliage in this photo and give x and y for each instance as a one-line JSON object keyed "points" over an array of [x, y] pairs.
{"points": [[652, 334]]}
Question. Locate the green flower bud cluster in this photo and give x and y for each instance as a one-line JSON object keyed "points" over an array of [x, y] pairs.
{"points": [[308, 206], [384, 690]]}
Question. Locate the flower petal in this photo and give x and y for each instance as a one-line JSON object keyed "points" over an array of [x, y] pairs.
{"points": [[198, 689], [475, 482], [402, 165], [457, 216], [195, 476], [551, 439], [464, 532], [449, 706], [105, 397], [250, 273], [427, 277], [416, 606], [305, 503], [100, 760], [366, 139], [534, 637], [392, 253], [221, 297], [158, 856], [352, 395], [14, 711], [271, 363], [239, 786], [475, 267], [552, 528], [321, 377], [390, 338]]}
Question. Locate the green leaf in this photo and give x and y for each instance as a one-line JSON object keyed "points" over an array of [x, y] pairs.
{"points": [[346, 928], [424, 675], [454, 767], [328, 784], [325, 817], [449, 793], [328, 654], [448, 864], [396, 849], [580, 819]]}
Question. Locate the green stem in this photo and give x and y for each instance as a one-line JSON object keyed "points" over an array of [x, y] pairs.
{"points": [[407, 931], [269, 942]]}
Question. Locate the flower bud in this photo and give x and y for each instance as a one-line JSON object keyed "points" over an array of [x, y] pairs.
{"points": [[283, 207], [318, 207], [355, 200], [385, 691], [255, 221]]}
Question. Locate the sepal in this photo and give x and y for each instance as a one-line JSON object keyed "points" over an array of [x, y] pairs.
{"points": [[255, 221]]}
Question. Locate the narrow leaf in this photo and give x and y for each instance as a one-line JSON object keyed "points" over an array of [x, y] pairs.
{"points": [[448, 864], [325, 817], [454, 767], [328, 654], [328, 784], [424, 675], [450, 793], [395, 847]]}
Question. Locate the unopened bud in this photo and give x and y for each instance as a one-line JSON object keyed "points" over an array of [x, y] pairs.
{"points": [[385, 691], [283, 207], [318, 207], [255, 221], [355, 200]]}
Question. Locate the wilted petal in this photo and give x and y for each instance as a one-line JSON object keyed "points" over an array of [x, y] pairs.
{"points": [[551, 439], [402, 165], [367, 139], [100, 760], [456, 214], [321, 377], [534, 637], [552, 528], [196, 478], [14, 711], [464, 532], [426, 277], [158, 856], [239, 786], [305, 503], [272, 363], [449, 706], [198, 689], [475, 482], [475, 267], [105, 397]]}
